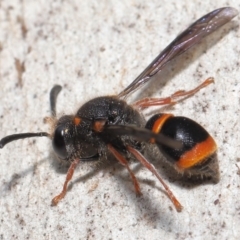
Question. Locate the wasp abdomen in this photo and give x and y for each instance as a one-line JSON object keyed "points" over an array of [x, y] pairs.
{"points": [[198, 146]]}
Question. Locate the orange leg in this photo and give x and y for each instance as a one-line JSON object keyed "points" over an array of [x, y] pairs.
{"points": [[174, 98], [150, 167], [124, 162], [68, 178]]}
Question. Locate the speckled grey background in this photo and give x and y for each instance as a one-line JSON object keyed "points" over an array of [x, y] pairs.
{"points": [[94, 49]]}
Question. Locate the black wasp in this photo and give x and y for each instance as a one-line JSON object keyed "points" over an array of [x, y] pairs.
{"points": [[110, 126]]}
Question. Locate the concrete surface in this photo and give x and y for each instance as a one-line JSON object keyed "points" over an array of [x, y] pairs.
{"points": [[95, 49]]}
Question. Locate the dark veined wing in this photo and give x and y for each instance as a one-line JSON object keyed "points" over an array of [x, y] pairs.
{"points": [[191, 36], [141, 134]]}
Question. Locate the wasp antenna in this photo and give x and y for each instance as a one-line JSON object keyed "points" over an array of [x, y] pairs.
{"points": [[53, 98], [14, 137]]}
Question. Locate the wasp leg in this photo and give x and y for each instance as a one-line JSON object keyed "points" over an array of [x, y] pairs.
{"points": [[68, 178], [174, 98], [124, 162], [150, 167]]}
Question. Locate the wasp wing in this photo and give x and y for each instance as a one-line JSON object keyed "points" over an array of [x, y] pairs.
{"points": [[191, 36], [141, 134]]}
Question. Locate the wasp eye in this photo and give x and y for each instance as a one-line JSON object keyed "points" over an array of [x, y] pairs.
{"points": [[58, 142]]}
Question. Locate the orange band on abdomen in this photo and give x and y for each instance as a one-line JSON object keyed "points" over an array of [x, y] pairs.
{"points": [[197, 154], [157, 126]]}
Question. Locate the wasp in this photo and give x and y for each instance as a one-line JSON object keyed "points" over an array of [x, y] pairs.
{"points": [[109, 126]]}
